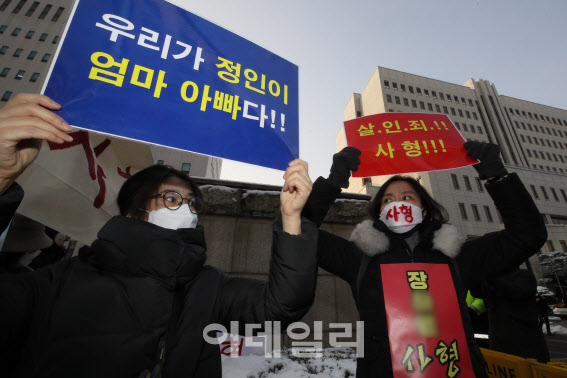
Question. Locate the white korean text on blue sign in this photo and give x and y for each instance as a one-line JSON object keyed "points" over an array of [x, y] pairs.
{"points": [[150, 71]]}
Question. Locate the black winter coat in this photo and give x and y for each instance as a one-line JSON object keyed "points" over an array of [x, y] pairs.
{"points": [[513, 315], [103, 314], [476, 259]]}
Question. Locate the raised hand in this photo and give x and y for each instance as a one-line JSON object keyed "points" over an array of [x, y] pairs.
{"points": [[25, 121], [489, 155], [294, 194], [344, 161]]}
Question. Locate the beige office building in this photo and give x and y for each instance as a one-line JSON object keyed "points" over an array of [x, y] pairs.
{"points": [[30, 32], [533, 139]]}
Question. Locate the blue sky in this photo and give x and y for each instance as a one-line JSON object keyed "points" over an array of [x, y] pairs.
{"points": [[518, 45]]}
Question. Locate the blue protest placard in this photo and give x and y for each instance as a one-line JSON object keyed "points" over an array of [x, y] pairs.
{"points": [[150, 71]]}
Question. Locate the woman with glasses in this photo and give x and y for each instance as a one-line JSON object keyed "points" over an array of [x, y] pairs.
{"points": [[136, 302]]}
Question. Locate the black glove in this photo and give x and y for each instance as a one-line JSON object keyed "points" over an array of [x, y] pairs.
{"points": [[343, 162], [489, 155]]}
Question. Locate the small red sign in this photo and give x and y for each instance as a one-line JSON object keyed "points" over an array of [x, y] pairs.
{"points": [[425, 329], [406, 142]]}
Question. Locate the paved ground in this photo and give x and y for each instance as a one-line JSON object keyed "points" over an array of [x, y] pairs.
{"points": [[557, 344]]}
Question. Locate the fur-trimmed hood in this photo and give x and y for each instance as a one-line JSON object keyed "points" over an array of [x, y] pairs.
{"points": [[371, 241]]}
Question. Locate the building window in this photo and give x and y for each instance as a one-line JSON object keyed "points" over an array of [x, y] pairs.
{"points": [[441, 96], [44, 12], [366, 181], [453, 111], [32, 8], [563, 245], [445, 110], [358, 113], [16, 32], [388, 98], [395, 86], [433, 94], [57, 14], [475, 213], [18, 52], [426, 92], [418, 90], [3, 28], [30, 34], [458, 125], [20, 75], [422, 105], [46, 57], [429, 106], [463, 211], [410, 88], [437, 108], [544, 191], [402, 87], [5, 5], [3, 50], [534, 191], [488, 214], [479, 129], [406, 102], [398, 102], [455, 181], [467, 183], [414, 103], [19, 7], [32, 55], [56, 39], [563, 194], [34, 77], [5, 72], [386, 84], [460, 113], [185, 167], [160, 162], [43, 37], [6, 96], [550, 245]]}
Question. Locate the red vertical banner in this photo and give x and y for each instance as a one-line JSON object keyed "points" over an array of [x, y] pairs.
{"points": [[393, 143], [427, 338]]}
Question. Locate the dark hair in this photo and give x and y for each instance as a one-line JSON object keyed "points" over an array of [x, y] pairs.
{"points": [[432, 209], [136, 193]]}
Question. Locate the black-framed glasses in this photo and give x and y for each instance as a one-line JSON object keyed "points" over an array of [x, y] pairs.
{"points": [[173, 201]]}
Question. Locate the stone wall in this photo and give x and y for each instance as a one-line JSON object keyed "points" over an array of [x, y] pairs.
{"points": [[238, 220]]}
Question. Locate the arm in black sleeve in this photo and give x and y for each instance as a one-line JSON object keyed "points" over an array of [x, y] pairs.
{"points": [[334, 254], [322, 197], [339, 256], [9, 202], [502, 251], [289, 291]]}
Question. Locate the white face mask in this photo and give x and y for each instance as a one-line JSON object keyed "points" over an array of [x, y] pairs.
{"points": [[173, 219], [401, 216]]}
